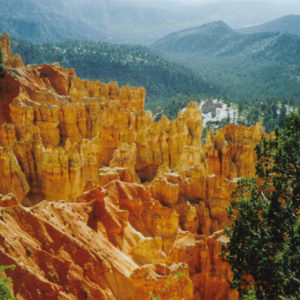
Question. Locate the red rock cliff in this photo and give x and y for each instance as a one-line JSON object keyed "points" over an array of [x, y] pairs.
{"points": [[101, 202]]}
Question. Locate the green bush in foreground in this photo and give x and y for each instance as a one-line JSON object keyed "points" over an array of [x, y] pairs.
{"points": [[6, 284], [264, 239]]}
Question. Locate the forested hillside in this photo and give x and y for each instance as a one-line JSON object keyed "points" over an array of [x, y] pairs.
{"points": [[260, 87], [134, 65], [170, 87], [248, 67]]}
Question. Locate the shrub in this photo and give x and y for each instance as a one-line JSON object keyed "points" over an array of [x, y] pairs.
{"points": [[6, 284]]}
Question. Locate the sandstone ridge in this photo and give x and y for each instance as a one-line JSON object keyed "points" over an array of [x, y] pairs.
{"points": [[101, 202]]}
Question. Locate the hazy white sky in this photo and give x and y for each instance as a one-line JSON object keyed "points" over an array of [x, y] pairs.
{"points": [[214, 1], [280, 3]]}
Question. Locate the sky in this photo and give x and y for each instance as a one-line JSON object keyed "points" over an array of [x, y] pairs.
{"points": [[294, 2], [290, 4]]}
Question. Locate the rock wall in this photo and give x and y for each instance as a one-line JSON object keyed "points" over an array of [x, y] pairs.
{"points": [[101, 202], [10, 60]]}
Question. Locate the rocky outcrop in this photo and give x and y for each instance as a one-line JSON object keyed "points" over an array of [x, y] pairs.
{"points": [[118, 241], [119, 206], [10, 60]]}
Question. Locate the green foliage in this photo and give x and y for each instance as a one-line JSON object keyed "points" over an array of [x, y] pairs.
{"points": [[264, 239], [154, 297], [246, 67], [5, 284], [251, 295], [1, 57], [2, 66], [244, 79], [171, 86], [178, 275], [271, 112], [133, 65]]}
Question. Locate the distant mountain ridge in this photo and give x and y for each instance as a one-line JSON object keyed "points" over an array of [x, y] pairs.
{"points": [[289, 24], [37, 22], [247, 66], [121, 21], [218, 39], [203, 38]]}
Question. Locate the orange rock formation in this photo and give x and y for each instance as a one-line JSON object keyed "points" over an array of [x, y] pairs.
{"points": [[101, 202]]}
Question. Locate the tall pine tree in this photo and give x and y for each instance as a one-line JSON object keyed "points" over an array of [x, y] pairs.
{"points": [[264, 239]]}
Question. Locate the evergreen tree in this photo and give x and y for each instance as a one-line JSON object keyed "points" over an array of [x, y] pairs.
{"points": [[5, 283], [1, 57], [264, 239]]}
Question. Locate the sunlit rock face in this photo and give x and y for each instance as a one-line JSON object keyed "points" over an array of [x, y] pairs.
{"points": [[101, 202], [10, 60]]}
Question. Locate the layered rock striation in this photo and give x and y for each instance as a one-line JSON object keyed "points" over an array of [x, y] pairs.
{"points": [[101, 202]]}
